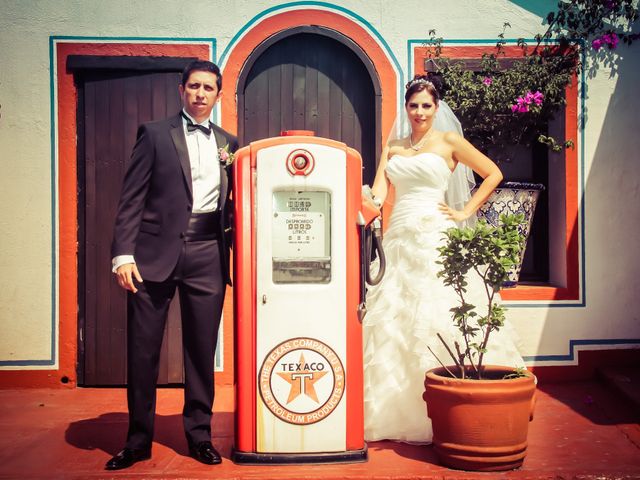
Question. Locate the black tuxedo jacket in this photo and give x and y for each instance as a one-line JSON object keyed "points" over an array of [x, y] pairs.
{"points": [[156, 200]]}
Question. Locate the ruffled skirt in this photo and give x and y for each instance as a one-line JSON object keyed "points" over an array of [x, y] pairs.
{"points": [[405, 312]]}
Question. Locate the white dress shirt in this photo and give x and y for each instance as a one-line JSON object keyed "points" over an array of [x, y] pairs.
{"points": [[205, 168], [205, 176]]}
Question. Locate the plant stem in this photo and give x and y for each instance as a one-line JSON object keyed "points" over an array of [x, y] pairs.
{"points": [[490, 294], [448, 350], [441, 364], [487, 331], [461, 357], [467, 352]]}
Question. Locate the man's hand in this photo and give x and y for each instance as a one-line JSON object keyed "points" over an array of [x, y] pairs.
{"points": [[125, 274]]}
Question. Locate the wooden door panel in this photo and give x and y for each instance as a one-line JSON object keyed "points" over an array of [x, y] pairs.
{"points": [[311, 82], [113, 104]]}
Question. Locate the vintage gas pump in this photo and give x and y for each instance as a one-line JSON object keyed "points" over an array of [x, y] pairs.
{"points": [[298, 300]]}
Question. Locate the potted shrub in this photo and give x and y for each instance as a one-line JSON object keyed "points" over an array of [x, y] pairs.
{"points": [[505, 104], [479, 413]]}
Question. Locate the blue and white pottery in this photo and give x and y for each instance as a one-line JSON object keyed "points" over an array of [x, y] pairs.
{"points": [[513, 198]]}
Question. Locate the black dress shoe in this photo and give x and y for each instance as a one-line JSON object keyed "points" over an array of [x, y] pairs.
{"points": [[127, 457], [205, 453]]}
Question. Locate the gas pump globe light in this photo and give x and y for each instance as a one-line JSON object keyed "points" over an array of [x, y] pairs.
{"points": [[300, 162]]}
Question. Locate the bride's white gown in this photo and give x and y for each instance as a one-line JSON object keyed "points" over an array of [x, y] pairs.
{"points": [[411, 304]]}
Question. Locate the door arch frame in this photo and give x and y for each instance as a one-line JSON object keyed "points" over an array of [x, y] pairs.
{"points": [[276, 19], [325, 32]]}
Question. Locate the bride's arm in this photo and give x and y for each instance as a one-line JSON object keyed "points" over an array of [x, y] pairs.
{"points": [[380, 187], [467, 154]]}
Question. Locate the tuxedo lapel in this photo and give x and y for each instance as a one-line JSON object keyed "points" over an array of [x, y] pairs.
{"points": [[180, 142], [222, 141]]}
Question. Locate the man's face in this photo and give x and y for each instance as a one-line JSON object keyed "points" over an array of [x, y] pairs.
{"points": [[199, 94]]}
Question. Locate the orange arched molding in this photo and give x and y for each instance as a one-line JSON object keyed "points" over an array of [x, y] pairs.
{"points": [[66, 123], [526, 292], [295, 18]]}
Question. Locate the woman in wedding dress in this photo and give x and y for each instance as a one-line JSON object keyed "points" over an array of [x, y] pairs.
{"points": [[411, 304]]}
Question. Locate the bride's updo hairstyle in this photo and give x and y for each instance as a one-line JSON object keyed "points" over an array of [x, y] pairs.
{"points": [[418, 84]]}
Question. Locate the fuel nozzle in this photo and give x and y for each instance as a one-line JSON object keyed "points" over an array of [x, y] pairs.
{"points": [[370, 217], [370, 205]]}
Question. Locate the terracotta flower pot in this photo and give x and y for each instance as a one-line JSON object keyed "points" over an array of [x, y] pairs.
{"points": [[480, 425]]}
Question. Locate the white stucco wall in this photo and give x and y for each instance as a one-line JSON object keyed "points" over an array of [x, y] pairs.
{"points": [[28, 253], [25, 185]]}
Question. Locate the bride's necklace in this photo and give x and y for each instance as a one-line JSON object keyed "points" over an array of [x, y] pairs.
{"points": [[420, 143]]}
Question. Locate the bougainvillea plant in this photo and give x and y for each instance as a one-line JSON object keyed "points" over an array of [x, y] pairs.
{"points": [[511, 103]]}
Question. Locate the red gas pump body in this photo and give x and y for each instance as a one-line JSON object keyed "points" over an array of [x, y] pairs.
{"points": [[247, 242]]}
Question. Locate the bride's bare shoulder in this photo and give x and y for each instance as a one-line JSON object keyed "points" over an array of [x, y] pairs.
{"points": [[397, 143], [396, 146], [451, 138]]}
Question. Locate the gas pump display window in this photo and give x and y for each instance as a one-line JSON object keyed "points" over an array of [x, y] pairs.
{"points": [[301, 237]]}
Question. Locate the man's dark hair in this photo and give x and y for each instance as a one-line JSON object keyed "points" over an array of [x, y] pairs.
{"points": [[202, 66]]}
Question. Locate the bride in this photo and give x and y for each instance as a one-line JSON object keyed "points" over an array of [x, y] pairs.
{"points": [[411, 305]]}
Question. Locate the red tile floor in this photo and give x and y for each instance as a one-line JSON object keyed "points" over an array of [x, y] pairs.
{"points": [[580, 430]]}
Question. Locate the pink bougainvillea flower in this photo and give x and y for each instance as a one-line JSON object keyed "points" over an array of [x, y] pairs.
{"points": [[609, 39], [612, 40], [522, 103], [537, 98], [487, 80]]}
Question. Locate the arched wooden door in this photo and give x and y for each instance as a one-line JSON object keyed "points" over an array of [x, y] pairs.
{"points": [[312, 78]]}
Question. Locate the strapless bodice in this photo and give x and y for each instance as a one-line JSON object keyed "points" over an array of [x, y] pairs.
{"points": [[422, 175], [420, 182]]}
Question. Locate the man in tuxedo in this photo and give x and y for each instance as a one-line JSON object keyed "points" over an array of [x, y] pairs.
{"points": [[170, 234]]}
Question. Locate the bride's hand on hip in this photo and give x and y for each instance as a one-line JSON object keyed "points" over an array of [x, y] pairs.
{"points": [[451, 214]]}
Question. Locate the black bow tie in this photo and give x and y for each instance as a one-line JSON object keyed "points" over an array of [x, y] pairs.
{"points": [[196, 126]]}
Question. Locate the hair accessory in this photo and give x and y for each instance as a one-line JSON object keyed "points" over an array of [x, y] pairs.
{"points": [[417, 81]]}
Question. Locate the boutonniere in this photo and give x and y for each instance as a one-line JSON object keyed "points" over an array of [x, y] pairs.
{"points": [[226, 157]]}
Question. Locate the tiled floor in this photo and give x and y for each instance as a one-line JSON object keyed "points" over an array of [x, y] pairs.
{"points": [[580, 430]]}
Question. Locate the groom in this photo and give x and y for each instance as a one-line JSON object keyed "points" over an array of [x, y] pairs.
{"points": [[170, 234]]}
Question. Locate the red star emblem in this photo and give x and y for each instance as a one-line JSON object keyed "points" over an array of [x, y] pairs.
{"points": [[302, 381]]}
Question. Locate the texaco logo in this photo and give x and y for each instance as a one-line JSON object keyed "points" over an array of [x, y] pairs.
{"points": [[301, 381]]}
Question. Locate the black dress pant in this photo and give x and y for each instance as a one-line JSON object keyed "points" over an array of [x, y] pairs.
{"points": [[198, 279]]}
